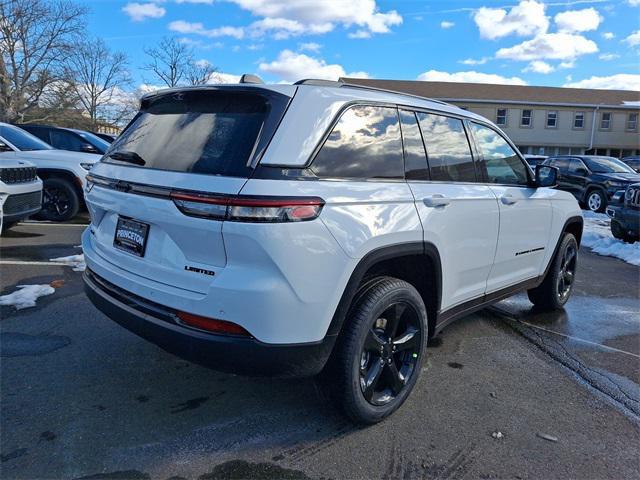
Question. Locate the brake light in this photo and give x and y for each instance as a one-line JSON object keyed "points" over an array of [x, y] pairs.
{"points": [[212, 325], [249, 209]]}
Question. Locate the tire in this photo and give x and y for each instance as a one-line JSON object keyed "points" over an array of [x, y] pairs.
{"points": [[596, 201], [555, 290], [376, 365], [6, 226], [620, 233], [60, 201]]}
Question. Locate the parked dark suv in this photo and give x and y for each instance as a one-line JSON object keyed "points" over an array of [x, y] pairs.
{"points": [[624, 210], [68, 138], [593, 180]]}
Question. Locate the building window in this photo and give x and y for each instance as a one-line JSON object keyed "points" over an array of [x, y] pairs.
{"points": [[501, 116], [578, 120], [525, 119], [605, 121], [632, 121], [552, 119]]}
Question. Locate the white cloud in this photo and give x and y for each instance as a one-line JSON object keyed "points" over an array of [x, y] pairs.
{"points": [[291, 66], [473, 61], [198, 28], [608, 35], [219, 77], [538, 66], [620, 81], [204, 2], [550, 46], [578, 20], [310, 46], [360, 34], [633, 39], [633, 3], [608, 56], [470, 76], [364, 14], [140, 11], [525, 19], [567, 64], [446, 24]]}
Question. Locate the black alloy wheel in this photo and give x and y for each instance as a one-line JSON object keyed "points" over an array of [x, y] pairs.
{"points": [[378, 356], [390, 353], [567, 272], [60, 201]]}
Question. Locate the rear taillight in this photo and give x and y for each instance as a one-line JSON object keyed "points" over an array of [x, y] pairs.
{"points": [[212, 325], [249, 209]]}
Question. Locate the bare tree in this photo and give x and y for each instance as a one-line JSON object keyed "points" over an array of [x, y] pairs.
{"points": [[98, 78], [173, 63], [36, 36]]}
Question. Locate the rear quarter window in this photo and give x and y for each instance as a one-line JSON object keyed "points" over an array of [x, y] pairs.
{"points": [[365, 143]]}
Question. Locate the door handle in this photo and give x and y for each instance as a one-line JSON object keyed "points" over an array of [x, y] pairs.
{"points": [[508, 199], [436, 200]]}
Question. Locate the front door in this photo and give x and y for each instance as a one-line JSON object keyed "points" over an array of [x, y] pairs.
{"points": [[525, 211]]}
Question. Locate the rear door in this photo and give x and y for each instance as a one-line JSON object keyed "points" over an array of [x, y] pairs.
{"points": [[459, 215], [525, 211], [145, 195]]}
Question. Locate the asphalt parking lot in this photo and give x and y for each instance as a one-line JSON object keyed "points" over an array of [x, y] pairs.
{"points": [[83, 398]]}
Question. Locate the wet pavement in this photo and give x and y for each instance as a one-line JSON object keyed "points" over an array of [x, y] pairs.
{"points": [[83, 398], [598, 333]]}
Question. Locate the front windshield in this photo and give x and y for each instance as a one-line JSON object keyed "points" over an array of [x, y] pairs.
{"points": [[22, 140], [607, 165], [94, 140]]}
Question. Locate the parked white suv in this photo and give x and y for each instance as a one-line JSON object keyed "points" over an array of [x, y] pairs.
{"points": [[20, 192], [62, 172], [294, 229]]}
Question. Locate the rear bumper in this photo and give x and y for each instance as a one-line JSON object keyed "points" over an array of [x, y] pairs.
{"points": [[243, 356]]}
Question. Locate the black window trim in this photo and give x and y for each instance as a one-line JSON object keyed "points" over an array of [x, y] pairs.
{"points": [[404, 152]]}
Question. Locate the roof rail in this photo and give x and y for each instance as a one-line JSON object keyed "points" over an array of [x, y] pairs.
{"points": [[319, 82], [387, 90], [249, 78]]}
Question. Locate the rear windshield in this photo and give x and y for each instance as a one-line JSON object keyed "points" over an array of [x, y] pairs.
{"points": [[212, 132]]}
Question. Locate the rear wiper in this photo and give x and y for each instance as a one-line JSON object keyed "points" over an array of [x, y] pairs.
{"points": [[127, 156]]}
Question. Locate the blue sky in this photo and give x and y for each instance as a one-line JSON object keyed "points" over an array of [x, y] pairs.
{"points": [[583, 43]]}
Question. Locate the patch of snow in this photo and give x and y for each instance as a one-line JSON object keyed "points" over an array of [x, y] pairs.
{"points": [[75, 261], [597, 236], [26, 295], [632, 103]]}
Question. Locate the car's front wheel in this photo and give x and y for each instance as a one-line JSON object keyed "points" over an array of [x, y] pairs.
{"points": [[556, 288], [596, 201], [379, 357], [60, 202]]}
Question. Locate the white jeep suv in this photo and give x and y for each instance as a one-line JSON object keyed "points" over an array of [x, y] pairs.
{"points": [[293, 229], [62, 172], [20, 192]]}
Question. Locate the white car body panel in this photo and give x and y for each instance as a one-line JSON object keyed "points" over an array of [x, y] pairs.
{"points": [[8, 189]]}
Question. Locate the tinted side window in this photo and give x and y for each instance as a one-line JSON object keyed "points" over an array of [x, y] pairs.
{"points": [[574, 165], [65, 140], [365, 143], [562, 164], [501, 161], [447, 147], [415, 159]]}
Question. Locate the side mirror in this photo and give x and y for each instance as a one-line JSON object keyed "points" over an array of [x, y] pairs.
{"points": [[546, 176], [88, 148], [582, 171]]}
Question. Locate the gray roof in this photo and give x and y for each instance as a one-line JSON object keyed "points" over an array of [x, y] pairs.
{"points": [[450, 91]]}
